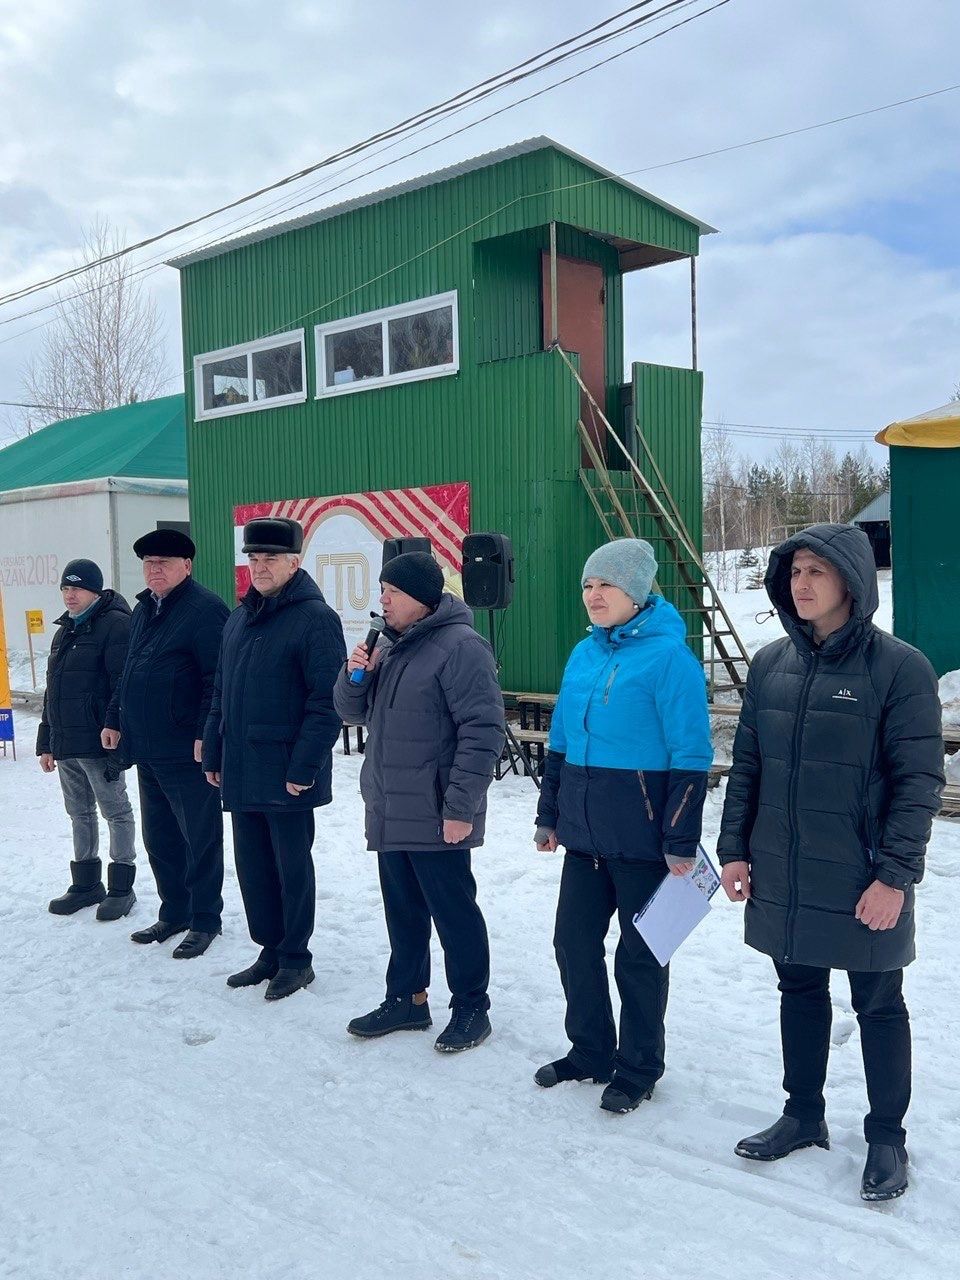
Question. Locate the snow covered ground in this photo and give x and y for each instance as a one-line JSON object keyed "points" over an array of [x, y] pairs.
{"points": [[158, 1124]]}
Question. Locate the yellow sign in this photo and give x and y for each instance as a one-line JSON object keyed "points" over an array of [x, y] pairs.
{"points": [[35, 622], [6, 714]]}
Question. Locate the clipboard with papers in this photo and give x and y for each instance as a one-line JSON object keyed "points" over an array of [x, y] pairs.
{"points": [[677, 907]]}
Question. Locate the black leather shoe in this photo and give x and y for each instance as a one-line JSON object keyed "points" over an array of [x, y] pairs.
{"points": [[258, 972], [194, 944], [621, 1096], [467, 1028], [562, 1070], [397, 1013], [786, 1135], [885, 1173], [286, 981], [158, 932]]}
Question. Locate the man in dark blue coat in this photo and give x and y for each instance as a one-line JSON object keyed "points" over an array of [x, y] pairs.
{"points": [[837, 771], [159, 711], [268, 747]]}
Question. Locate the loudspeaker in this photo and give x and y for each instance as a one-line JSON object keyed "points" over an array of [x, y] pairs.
{"points": [[487, 570], [400, 546]]}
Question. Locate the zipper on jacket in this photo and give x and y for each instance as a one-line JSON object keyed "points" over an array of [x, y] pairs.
{"points": [[792, 809], [682, 805], [646, 794], [609, 684], [396, 686]]}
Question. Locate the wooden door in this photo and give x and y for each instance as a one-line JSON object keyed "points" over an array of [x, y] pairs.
{"points": [[581, 328]]}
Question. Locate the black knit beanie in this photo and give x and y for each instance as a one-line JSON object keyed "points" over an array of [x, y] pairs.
{"points": [[417, 574], [83, 573]]}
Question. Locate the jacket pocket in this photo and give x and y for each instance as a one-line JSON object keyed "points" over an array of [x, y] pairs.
{"points": [[647, 803], [438, 794]]}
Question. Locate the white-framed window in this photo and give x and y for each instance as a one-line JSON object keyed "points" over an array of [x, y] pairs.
{"points": [[251, 376], [396, 344]]}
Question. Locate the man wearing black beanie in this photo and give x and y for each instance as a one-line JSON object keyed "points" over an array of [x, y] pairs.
{"points": [[429, 697], [83, 670]]}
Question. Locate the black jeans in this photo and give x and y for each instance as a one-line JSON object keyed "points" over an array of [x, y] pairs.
{"points": [[591, 890], [182, 826], [277, 882], [805, 1016], [435, 884]]}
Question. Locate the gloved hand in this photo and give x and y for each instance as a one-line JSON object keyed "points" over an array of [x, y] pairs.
{"points": [[545, 838]]}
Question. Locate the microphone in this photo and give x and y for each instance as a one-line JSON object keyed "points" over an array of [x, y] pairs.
{"points": [[377, 627]]}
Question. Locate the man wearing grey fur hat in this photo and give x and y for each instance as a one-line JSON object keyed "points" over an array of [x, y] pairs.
{"points": [[268, 746], [623, 791]]}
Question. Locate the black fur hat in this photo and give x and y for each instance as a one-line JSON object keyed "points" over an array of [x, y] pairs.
{"points": [[165, 542], [273, 534]]}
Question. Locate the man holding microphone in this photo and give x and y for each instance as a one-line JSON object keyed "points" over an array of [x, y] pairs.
{"points": [[434, 713]]}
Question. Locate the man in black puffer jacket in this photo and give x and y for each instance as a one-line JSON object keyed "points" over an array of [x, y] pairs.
{"points": [[837, 772], [268, 745], [86, 659], [434, 711], [157, 717]]}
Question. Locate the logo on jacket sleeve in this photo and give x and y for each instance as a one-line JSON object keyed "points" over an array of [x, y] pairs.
{"points": [[844, 695]]}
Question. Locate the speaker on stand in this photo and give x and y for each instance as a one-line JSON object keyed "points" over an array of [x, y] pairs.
{"points": [[488, 578]]}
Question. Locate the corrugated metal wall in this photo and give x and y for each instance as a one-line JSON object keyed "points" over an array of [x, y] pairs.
{"points": [[506, 423], [924, 484]]}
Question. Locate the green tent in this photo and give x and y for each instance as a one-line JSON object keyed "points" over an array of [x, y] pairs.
{"points": [[147, 440]]}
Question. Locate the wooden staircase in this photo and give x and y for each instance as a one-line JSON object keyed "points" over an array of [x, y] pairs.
{"points": [[629, 510]]}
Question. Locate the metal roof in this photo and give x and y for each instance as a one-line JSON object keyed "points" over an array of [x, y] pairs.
{"points": [[146, 439], [877, 510], [416, 184]]}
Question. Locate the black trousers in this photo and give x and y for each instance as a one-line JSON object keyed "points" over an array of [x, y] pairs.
{"points": [[438, 885], [805, 1016], [277, 882], [182, 827], [591, 890]]}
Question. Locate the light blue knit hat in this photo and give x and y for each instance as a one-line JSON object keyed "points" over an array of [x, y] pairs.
{"points": [[627, 563]]}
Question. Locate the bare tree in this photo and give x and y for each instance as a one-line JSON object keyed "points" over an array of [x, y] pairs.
{"points": [[719, 458], [105, 346]]}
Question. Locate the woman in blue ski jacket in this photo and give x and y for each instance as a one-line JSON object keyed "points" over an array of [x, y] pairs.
{"points": [[623, 791]]}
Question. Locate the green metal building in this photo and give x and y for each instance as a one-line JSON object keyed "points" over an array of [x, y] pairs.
{"points": [[924, 483], [403, 340]]}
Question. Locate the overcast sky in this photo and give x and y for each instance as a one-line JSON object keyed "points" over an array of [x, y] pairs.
{"points": [[830, 299]]}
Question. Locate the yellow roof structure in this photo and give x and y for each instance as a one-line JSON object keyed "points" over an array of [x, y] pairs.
{"points": [[935, 429]]}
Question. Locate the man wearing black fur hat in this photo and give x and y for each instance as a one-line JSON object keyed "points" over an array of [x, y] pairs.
{"points": [[268, 747], [434, 711], [159, 711], [86, 659]]}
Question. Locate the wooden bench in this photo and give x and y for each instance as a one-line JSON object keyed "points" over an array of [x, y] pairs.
{"points": [[950, 801]]}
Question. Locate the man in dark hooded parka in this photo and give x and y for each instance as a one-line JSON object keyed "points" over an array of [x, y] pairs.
{"points": [[837, 773]]}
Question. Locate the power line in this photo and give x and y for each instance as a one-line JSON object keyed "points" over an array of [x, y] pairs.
{"points": [[792, 133], [52, 408], [284, 206], [477, 92]]}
